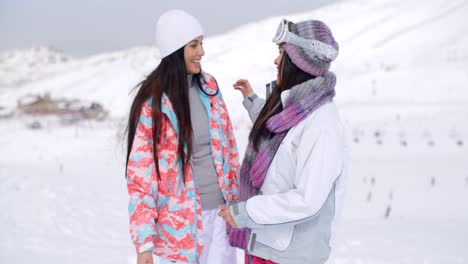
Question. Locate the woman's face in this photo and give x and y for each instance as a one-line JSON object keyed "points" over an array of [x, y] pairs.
{"points": [[278, 64], [193, 52]]}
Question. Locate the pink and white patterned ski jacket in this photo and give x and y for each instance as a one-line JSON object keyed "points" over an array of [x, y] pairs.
{"points": [[165, 214]]}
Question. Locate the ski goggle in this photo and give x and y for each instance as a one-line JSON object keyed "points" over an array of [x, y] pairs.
{"points": [[284, 35]]}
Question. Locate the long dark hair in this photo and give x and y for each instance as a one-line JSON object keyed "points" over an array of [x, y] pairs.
{"points": [[289, 76], [169, 77]]}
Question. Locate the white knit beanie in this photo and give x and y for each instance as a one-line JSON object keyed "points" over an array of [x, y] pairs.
{"points": [[174, 29]]}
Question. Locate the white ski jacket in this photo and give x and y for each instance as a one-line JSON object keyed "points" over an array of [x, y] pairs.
{"points": [[294, 217]]}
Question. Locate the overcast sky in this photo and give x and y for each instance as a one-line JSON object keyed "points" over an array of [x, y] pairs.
{"points": [[85, 27]]}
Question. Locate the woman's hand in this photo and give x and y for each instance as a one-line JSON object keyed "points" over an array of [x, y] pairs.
{"points": [[243, 86], [145, 258], [226, 215]]}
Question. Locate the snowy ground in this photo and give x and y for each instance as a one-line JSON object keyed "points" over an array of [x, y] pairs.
{"points": [[402, 75], [66, 201]]}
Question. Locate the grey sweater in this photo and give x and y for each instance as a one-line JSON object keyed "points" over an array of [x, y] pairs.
{"points": [[202, 159]]}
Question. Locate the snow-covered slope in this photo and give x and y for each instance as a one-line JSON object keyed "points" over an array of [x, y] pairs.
{"points": [[18, 67], [402, 92], [384, 48]]}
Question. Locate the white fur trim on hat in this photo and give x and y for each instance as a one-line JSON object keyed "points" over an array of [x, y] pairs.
{"points": [[174, 29]]}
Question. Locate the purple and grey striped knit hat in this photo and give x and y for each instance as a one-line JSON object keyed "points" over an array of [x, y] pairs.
{"points": [[313, 60]]}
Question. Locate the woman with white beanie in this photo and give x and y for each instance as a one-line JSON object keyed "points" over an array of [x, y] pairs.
{"points": [[293, 173], [182, 159]]}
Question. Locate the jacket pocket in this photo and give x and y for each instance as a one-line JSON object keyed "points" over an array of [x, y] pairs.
{"points": [[277, 237]]}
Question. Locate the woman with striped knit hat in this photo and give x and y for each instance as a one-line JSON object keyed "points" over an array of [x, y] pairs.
{"points": [[293, 173]]}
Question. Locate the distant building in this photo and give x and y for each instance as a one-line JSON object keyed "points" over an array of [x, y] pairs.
{"points": [[70, 111], [94, 111], [38, 105]]}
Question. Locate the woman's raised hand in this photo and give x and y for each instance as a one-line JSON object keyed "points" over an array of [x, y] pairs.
{"points": [[243, 86]]}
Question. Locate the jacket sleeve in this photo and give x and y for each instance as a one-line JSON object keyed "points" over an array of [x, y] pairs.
{"points": [[142, 184], [253, 104], [319, 164]]}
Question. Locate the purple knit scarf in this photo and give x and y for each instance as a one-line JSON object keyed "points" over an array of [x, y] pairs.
{"points": [[304, 99]]}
